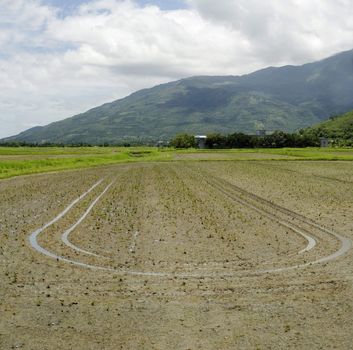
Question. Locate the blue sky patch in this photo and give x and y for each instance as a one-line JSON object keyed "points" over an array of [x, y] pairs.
{"points": [[69, 5]]}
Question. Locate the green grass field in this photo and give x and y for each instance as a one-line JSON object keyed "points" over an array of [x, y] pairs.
{"points": [[29, 160]]}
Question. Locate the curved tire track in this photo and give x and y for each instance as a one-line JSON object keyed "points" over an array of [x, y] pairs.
{"points": [[65, 235], [311, 241], [345, 243]]}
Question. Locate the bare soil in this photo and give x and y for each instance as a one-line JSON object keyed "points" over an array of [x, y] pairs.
{"points": [[188, 255]]}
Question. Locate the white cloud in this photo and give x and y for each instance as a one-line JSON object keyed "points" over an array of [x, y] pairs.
{"points": [[53, 66], [281, 32]]}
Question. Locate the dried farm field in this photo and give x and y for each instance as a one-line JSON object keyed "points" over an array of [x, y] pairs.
{"points": [[179, 255]]}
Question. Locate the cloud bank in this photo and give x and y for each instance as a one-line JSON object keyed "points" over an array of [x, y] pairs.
{"points": [[54, 63]]}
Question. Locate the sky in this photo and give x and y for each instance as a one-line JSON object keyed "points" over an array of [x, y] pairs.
{"points": [[59, 58]]}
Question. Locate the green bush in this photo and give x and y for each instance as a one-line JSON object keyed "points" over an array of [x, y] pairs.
{"points": [[183, 141]]}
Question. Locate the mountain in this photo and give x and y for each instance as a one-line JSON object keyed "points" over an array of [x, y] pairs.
{"points": [[337, 127], [286, 98]]}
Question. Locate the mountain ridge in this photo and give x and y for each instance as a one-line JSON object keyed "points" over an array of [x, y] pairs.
{"points": [[284, 98]]}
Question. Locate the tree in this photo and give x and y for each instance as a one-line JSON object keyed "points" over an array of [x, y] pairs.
{"points": [[216, 141], [240, 140], [183, 141]]}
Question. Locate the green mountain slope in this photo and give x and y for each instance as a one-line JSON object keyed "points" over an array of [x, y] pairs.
{"points": [[286, 98], [337, 127]]}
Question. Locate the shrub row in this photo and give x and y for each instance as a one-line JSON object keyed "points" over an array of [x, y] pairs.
{"points": [[278, 139]]}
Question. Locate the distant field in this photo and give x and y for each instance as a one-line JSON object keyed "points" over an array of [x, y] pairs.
{"points": [[29, 160]]}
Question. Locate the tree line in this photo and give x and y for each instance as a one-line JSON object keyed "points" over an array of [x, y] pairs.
{"points": [[278, 139]]}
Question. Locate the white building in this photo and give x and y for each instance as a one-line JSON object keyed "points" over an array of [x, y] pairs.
{"points": [[201, 141]]}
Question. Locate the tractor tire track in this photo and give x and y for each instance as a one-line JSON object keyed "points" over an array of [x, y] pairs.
{"points": [[345, 243], [65, 235], [302, 232], [224, 187]]}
